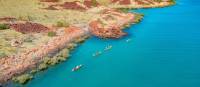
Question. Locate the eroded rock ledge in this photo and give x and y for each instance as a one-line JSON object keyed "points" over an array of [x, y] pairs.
{"points": [[110, 24]]}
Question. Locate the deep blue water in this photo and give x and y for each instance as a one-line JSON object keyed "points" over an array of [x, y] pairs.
{"points": [[164, 52]]}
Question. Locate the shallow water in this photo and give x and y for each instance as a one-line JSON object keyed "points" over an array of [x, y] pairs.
{"points": [[164, 52]]}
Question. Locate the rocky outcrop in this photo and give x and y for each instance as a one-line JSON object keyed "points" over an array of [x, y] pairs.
{"points": [[113, 31], [105, 27], [76, 5], [29, 27], [122, 2]]}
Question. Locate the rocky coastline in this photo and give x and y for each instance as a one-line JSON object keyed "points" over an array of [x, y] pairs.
{"points": [[18, 64], [109, 24]]}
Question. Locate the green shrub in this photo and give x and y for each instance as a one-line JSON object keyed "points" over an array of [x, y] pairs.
{"points": [[80, 40], [62, 59], [71, 46], [4, 26], [138, 17], [94, 3], [2, 54], [33, 71], [53, 61], [62, 24], [158, 1], [42, 67], [51, 34], [46, 60], [64, 53], [125, 10], [23, 79], [29, 39]]}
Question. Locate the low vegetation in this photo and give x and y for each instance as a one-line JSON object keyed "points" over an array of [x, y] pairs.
{"points": [[138, 18], [4, 26], [51, 34], [33, 71], [23, 79], [42, 67], [71, 46], [125, 10], [5, 42], [2, 54], [47, 61], [62, 24]]}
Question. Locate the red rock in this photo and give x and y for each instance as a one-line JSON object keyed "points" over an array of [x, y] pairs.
{"points": [[113, 31], [122, 2], [89, 4], [72, 5], [72, 29], [125, 2], [49, 0], [7, 19], [29, 27]]}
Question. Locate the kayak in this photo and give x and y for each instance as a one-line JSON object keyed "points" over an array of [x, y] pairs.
{"points": [[77, 67], [97, 53], [108, 47]]}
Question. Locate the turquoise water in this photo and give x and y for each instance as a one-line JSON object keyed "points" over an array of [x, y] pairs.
{"points": [[164, 52]]}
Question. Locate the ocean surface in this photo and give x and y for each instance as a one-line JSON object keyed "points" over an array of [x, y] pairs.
{"points": [[164, 51]]}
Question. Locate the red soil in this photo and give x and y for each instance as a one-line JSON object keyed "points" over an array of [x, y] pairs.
{"points": [[113, 31], [144, 2], [122, 2], [7, 19], [88, 3], [125, 2], [72, 29], [72, 5], [29, 27], [139, 2], [49, 0]]}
